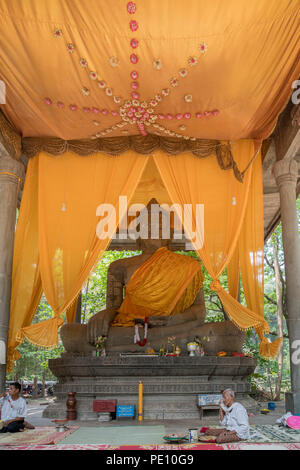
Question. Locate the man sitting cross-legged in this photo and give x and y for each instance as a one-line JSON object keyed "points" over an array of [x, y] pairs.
{"points": [[13, 410], [234, 418]]}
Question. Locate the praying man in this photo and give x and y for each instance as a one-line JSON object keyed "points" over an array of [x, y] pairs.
{"points": [[234, 418]]}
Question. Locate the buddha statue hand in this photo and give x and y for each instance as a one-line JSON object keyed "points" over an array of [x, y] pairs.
{"points": [[99, 324]]}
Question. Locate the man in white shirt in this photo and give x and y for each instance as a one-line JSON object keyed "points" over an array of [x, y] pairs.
{"points": [[234, 418], [13, 410]]}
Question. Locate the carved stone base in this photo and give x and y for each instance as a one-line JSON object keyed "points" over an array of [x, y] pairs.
{"points": [[170, 385]]}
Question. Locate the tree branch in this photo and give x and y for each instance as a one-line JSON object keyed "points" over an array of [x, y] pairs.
{"points": [[270, 300]]}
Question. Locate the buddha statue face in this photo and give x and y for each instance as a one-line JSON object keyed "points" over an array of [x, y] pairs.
{"points": [[159, 231]]}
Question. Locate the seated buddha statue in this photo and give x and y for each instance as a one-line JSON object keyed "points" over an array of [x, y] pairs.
{"points": [[163, 287]]}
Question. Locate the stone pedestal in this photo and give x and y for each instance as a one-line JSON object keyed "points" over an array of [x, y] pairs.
{"points": [[11, 174], [286, 174], [170, 384]]}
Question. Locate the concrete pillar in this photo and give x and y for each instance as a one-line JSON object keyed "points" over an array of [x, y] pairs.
{"points": [[286, 173], [12, 172]]}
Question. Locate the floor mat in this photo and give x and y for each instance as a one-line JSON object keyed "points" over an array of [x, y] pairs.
{"points": [[193, 447], [117, 435], [261, 446], [46, 435], [273, 433]]}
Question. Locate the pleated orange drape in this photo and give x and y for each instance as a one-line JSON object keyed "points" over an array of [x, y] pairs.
{"points": [[191, 181], [26, 279], [250, 249], [70, 189]]}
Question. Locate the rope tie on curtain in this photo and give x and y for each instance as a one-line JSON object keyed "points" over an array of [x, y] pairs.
{"points": [[215, 285]]}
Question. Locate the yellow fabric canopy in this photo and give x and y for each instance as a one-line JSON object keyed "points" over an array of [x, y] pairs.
{"points": [[207, 69], [167, 283]]}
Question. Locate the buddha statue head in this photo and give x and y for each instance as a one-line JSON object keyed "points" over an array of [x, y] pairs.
{"points": [[155, 228]]}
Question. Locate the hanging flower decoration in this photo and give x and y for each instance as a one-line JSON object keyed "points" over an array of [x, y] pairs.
{"points": [[131, 8], [85, 91], [192, 61], [203, 48], [134, 75], [113, 61], [157, 64], [134, 59], [188, 98], [134, 43], [70, 48], [183, 73], [117, 99], [57, 33], [174, 82], [133, 25], [93, 75], [108, 91], [83, 63], [165, 91], [101, 84]]}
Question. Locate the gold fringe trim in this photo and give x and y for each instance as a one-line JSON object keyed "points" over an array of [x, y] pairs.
{"points": [[145, 145]]}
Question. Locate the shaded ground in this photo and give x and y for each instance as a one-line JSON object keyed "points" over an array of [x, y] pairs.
{"points": [[36, 408]]}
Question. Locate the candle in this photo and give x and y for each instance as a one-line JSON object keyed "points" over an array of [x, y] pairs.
{"points": [[140, 413]]}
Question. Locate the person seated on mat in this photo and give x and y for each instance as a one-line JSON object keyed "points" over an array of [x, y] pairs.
{"points": [[234, 418], [13, 410]]}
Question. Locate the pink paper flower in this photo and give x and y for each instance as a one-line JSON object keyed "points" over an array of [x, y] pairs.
{"points": [[48, 101], [73, 107], [134, 75], [60, 105], [187, 115], [131, 8], [93, 75], [135, 95], [95, 110], [134, 43], [70, 47], [134, 59], [199, 115], [179, 116], [57, 33], [192, 61], [133, 25], [83, 63], [203, 48], [134, 85], [174, 82]]}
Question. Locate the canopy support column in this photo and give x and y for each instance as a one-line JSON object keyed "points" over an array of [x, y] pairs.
{"points": [[286, 172], [11, 174]]}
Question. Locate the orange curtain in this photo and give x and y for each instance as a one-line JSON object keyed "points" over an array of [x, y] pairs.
{"points": [[26, 280], [70, 190], [190, 181], [250, 248], [233, 274]]}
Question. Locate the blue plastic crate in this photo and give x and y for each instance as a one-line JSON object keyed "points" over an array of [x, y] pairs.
{"points": [[125, 411]]}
